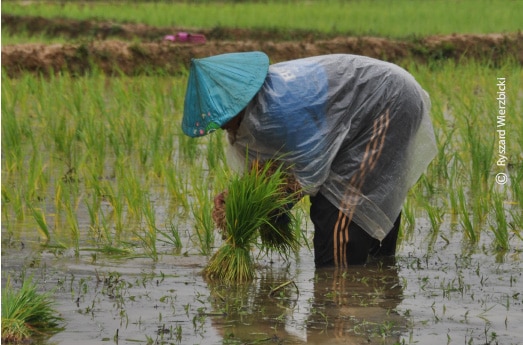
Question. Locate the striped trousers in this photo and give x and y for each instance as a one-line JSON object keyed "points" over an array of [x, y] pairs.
{"points": [[338, 241], [358, 246]]}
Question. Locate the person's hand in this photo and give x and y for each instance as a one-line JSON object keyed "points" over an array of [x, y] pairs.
{"points": [[219, 200], [218, 211]]}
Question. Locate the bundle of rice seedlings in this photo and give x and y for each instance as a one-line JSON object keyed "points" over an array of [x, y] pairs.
{"points": [[26, 312], [251, 203], [279, 235]]}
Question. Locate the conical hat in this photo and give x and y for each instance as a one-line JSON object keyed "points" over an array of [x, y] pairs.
{"points": [[219, 87]]}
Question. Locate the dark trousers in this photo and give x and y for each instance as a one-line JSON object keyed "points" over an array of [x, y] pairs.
{"points": [[353, 249]]}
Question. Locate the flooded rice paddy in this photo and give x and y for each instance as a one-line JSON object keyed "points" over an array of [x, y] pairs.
{"points": [[436, 292], [108, 206]]}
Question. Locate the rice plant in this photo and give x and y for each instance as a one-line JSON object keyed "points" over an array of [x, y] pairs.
{"points": [[43, 227], [409, 219], [72, 221], [251, 202], [26, 313], [148, 236], [176, 186], [435, 214], [201, 207], [171, 236], [466, 222], [500, 226]]}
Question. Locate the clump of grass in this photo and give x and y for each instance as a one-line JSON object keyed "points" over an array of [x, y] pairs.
{"points": [[251, 202], [26, 313]]}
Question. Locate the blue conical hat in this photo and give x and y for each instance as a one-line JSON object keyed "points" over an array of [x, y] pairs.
{"points": [[219, 87]]}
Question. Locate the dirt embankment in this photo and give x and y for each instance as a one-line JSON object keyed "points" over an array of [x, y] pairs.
{"points": [[135, 48]]}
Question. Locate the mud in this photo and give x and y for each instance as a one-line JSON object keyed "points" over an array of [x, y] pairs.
{"points": [[136, 49]]}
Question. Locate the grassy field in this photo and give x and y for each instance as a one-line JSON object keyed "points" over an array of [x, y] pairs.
{"points": [[400, 18]]}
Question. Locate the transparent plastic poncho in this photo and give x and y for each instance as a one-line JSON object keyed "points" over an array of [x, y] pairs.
{"points": [[353, 128]]}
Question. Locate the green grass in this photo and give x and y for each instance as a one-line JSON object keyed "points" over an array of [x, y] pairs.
{"points": [[27, 313], [400, 18]]}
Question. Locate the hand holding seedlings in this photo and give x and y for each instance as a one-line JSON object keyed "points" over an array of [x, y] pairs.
{"points": [[250, 205]]}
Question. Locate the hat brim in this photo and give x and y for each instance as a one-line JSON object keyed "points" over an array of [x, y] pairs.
{"points": [[219, 87]]}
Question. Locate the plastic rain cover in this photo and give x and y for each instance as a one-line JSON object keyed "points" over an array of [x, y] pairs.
{"points": [[353, 128]]}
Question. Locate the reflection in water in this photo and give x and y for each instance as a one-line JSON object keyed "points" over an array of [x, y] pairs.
{"points": [[350, 306], [356, 305]]}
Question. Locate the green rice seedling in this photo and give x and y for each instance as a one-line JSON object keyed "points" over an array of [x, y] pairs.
{"points": [[517, 195], [250, 202], [466, 223], [93, 204], [481, 205], [72, 222], [13, 198], [444, 140], [300, 215], [500, 226], [215, 151], [36, 178], [481, 154], [4, 212], [409, 220], [108, 242], [14, 130], [187, 147], [176, 186], [516, 186], [410, 208], [62, 129], [452, 190], [171, 236], [116, 199], [133, 189], [149, 236], [279, 234], [435, 214], [202, 211], [26, 313], [204, 226], [92, 133], [43, 228]]}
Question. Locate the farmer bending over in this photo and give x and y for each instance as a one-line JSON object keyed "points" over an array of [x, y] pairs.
{"points": [[354, 131]]}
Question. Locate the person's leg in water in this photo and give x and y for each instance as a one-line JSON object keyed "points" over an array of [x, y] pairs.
{"points": [[354, 250]]}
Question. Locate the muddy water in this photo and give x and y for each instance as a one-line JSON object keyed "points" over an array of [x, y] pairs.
{"points": [[437, 292]]}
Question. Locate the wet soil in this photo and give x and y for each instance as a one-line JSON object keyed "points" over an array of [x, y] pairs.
{"points": [[135, 48]]}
